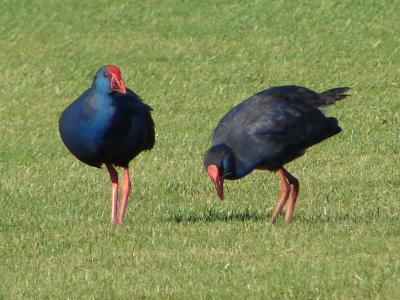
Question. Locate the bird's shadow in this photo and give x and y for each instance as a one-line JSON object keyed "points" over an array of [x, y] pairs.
{"points": [[213, 215], [221, 215]]}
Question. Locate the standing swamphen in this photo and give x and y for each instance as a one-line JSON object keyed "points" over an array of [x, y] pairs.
{"points": [[268, 130], [108, 124]]}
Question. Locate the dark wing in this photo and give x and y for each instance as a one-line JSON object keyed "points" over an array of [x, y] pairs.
{"points": [[257, 106], [130, 131], [286, 131], [273, 127]]}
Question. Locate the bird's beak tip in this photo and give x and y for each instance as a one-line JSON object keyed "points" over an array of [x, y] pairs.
{"points": [[219, 187], [218, 181], [118, 85], [121, 87]]}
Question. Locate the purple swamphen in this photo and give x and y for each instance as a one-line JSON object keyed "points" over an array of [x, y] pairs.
{"points": [[108, 124], [268, 130]]}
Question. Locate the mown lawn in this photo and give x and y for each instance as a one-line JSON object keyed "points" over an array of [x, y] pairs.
{"points": [[192, 61]]}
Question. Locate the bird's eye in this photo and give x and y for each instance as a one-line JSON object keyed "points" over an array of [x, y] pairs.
{"points": [[105, 74]]}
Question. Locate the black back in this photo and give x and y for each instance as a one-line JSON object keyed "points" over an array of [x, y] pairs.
{"points": [[273, 127]]}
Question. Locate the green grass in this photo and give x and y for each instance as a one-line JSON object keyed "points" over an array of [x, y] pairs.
{"points": [[192, 61]]}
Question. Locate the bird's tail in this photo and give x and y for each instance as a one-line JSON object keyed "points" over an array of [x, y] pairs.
{"points": [[331, 96]]}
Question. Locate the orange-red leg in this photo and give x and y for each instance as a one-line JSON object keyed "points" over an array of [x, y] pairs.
{"points": [[283, 194], [293, 192], [114, 192], [126, 188]]}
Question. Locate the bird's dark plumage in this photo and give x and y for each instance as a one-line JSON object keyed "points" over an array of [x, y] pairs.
{"points": [[270, 129], [108, 124], [107, 128]]}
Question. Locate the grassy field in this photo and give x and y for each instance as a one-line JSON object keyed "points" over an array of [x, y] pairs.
{"points": [[192, 61]]}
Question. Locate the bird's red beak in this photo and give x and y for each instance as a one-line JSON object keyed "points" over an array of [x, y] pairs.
{"points": [[117, 84], [213, 173]]}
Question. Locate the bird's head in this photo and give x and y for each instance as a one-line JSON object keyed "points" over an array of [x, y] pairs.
{"points": [[108, 79], [219, 163]]}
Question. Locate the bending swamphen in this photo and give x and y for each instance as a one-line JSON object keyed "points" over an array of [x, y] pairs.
{"points": [[108, 124], [268, 130]]}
